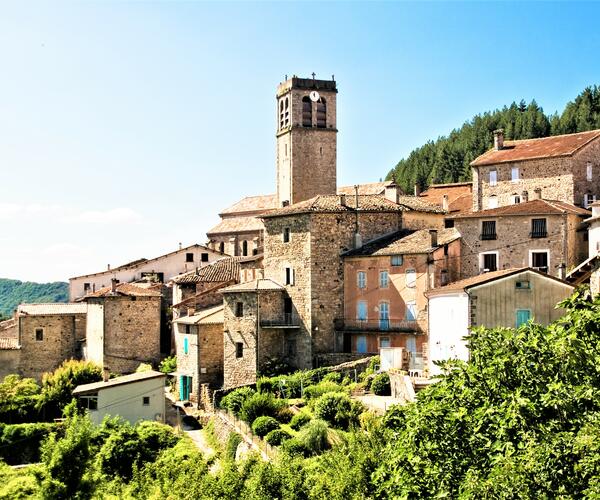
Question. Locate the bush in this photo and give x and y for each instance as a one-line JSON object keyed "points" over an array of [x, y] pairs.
{"points": [[333, 377], [315, 391], [20, 443], [299, 420], [231, 447], [263, 425], [168, 365], [285, 415], [338, 409], [235, 399], [313, 437], [259, 405], [18, 398], [277, 436], [381, 384], [275, 366], [294, 446], [374, 365]]}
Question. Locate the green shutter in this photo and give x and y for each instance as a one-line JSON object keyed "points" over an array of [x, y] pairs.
{"points": [[523, 316], [181, 387]]}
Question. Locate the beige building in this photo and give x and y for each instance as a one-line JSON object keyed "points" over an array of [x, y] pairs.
{"points": [[563, 167], [135, 397], [123, 327], [506, 298]]}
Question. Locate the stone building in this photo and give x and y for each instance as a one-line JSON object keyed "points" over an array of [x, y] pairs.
{"points": [[123, 327], [589, 270], [385, 282], [563, 167], [456, 197], [542, 234], [199, 350]]}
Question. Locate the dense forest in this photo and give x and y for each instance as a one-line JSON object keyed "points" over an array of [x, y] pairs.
{"points": [[14, 292], [447, 158]]}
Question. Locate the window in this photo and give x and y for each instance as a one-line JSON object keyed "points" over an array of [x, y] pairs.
{"points": [[538, 259], [188, 329], [411, 278], [86, 287], [281, 114], [514, 174], [146, 401], [39, 334], [361, 344], [384, 316], [383, 279], [239, 309], [446, 250], [186, 345], [286, 234], [523, 316], [286, 114], [204, 257], [189, 257], [488, 230], [89, 402], [361, 310], [493, 177], [321, 113], [538, 228], [222, 247], [515, 199], [488, 261], [290, 348], [361, 278], [286, 153], [523, 285], [493, 202], [239, 350], [289, 276], [385, 342], [397, 260], [588, 199], [448, 223], [244, 248], [306, 112], [444, 277], [411, 311], [589, 171]]}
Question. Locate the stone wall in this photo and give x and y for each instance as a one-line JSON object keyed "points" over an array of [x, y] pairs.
{"points": [[210, 355], [10, 360], [187, 363], [590, 153]]}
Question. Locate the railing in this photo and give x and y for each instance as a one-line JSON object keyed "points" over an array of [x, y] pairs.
{"points": [[488, 236], [385, 324], [539, 234], [243, 429], [285, 320]]}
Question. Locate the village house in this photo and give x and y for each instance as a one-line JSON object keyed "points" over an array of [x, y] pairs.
{"points": [[134, 397], [123, 327], [563, 167], [543, 234], [504, 298], [385, 282], [589, 270], [456, 197]]}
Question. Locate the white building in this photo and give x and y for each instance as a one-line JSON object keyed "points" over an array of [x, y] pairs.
{"points": [[139, 396], [161, 269]]}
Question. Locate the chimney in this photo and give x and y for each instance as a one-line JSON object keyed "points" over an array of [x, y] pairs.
{"points": [[357, 240], [392, 192], [108, 267], [524, 197], [595, 209], [445, 203], [105, 374], [537, 194], [180, 246], [433, 235], [113, 285], [417, 189], [498, 139], [356, 196], [191, 311], [343, 200]]}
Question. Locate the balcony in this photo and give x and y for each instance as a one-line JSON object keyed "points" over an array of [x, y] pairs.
{"points": [[377, 325], [284, 321]]}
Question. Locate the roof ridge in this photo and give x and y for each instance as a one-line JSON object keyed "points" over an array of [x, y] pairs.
{"points": [[596, 130]]}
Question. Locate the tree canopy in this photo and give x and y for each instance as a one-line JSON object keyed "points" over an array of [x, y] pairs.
{"points": [[14, 292]]}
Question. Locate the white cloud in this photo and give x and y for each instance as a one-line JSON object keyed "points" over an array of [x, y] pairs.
{"points": [[122, 215], [8, 210]]}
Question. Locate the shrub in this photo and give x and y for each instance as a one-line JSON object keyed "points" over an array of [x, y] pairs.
{"points": [[381, 384], [20, 443], [313, 437], [263, 425], [285, 415], [18, 397], [315, 391], [374, 364], [333, 377], [259, 405], [338, 409], [275, 366], [232, 444], [294, 446], [277, 436], [299, 419], [235, 399], [168, 365]]}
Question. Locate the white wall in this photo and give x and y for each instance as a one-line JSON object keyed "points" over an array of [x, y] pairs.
{"points": [[594, 238], [448, 324], [126, 401], [94, 334]]}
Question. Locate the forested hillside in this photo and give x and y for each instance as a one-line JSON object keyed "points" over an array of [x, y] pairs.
{"points": [[447, 158], [14, 292]]}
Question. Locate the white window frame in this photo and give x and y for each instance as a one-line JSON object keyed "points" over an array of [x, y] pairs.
{"points": [[361, 280], [540, 250], [493, 179], [493, 198], [411, 307], [589, 171], [515, 199], [481, 259], [412, 283], [588, 199], [384, 283], [515, 178]]}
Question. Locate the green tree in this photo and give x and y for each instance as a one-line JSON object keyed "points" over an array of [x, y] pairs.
{"points": [[18, 399]]}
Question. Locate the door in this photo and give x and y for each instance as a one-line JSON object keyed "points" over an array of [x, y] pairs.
{"points": [[523, 316], [185, 387], [384, 316], [489, 262], [361, 344], [287, 310]]}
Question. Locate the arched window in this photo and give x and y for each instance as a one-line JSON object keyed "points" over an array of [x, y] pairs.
{"points": [[286, 117], [281, 114], [321, 113], [306, 112], [244, 248], [222, 247]]}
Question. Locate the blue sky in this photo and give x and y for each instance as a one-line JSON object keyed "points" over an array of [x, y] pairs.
{"points": [[126, 127]]}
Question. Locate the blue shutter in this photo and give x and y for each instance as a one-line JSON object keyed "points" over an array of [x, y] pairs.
{"points": [[523, 316], [361, 344], [182, 387], [186, 345]]}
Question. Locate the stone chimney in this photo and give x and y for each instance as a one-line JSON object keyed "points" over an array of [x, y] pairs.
{"points": [[433, 234], [357, 240], [191, 311], [392, 192], [537, 194], [417, 189], [445, 203], [113, 285], [498, 139], [524, 196], [343, 200], [180, 245], [105, 374], [108, 267]]}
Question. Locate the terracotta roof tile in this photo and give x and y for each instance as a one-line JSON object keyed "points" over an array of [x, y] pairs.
{"points": [[261, 284], [49, 309], [333, 203], [531, 149], [9, 343], [258, 203], [208, 316], [365, 189], [533, 207], [222, 270], [124, 289], [418, 204], [459, 195], [236, 225]]}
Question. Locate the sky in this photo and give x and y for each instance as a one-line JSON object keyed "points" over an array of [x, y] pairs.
{"points": [[126, 127]]}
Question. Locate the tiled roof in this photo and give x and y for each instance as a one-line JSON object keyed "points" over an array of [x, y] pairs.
{"points": [[208, 316], [405, 242], [236, 225], [333, 203], [49, 309], [533, 207], [459, 195], [480, 279], [125, 379], [9, 323], [225, 269], [419, 205], [261, 284], [9, 343], [531, 149], [464, 203], [124, 289], [258, 203], [369, 188]]}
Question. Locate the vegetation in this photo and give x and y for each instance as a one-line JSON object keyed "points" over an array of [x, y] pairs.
{"points": [[381, 384], [277, 436], [168, 365], [447, 158], [299, 420], [20, 443], [236, 398], [263, 425], [338, 410], [14, 292], [18, 399], [259, 405]]}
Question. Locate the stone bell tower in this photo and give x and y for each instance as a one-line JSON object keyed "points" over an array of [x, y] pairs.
{"points": [[306, 139]]}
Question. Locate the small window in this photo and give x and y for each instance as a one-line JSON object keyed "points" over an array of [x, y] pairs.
{"points": [[397, 260], [589, 171], [306, 112], [361, 310], [86, 287], [321, 113], [239, 350], [361, 279], [244, 248], [492, 202], [411, 278], [146, 401], [239, 309], [411, 311], [289, 276], [488, 230], [204, 257], [89, 402], [448, 223], [186, 345], [290, 347], [39, 334], [488, 262], [539, 260], [444, 277], [515, 199], [523, 316], [286, 153], [188, 329], [222, 247], [523, 285], [286, 234], [514, 174], [588, 199], [385, 342], [538, 228], [383, 279], [493, 177], [189, 257]]}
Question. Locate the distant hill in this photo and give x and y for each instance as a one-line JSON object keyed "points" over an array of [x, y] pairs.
{"points": [[447, 158], [14, 292]]}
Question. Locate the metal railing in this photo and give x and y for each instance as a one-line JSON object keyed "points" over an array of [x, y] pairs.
{"points": [[284, 320], [377, 325]]}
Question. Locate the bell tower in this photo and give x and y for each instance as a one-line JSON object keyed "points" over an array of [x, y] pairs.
{"points": [[306, 139]]}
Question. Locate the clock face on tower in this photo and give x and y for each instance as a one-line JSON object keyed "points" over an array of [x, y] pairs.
{"points": [[314, 96]]}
